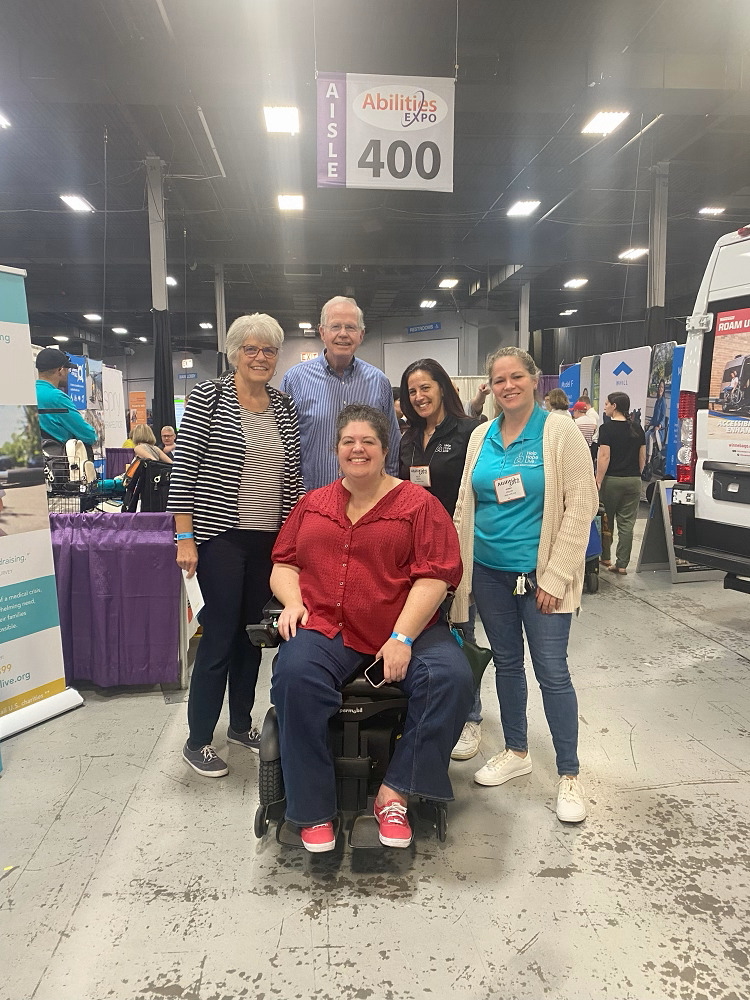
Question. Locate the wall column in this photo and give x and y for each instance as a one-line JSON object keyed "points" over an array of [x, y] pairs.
{"points": [[657, 255]]}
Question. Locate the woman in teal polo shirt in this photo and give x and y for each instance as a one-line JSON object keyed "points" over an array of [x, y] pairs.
{"points": [[523, 516]]}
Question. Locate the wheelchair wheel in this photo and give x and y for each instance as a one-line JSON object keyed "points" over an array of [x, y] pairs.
{"points": [[441, 821], [592, 582], [260, 823], [270, 782]]}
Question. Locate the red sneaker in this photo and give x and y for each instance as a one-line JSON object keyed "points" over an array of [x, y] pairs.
{"points": [[394, 826], [318, 839]]}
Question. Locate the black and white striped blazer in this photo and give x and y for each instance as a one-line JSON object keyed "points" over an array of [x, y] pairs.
{"points": [[210, 454]]}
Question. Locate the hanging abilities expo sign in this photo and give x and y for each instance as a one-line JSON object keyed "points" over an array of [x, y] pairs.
{"points": [[391, 132]]}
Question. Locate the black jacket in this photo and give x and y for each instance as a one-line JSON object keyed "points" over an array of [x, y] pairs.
{"points": [[445, 454]]}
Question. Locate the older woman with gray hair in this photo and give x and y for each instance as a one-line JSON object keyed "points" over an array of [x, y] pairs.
{"points": [[235, 479]]}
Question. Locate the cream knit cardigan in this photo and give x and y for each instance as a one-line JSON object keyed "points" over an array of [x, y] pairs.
{"points": [[571, 501]]}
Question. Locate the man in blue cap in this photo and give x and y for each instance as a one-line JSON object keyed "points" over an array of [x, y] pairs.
{"points": [[52, 367]]}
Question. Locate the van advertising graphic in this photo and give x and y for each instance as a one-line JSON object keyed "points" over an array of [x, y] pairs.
{"points": [[729, 392], [391, 132], [656, 421]]}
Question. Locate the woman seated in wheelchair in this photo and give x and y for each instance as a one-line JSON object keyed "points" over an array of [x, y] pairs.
{"points": [[362, 567]]}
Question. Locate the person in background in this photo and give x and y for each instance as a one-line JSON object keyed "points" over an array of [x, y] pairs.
{"points": [[235, 479], [557, 401], [475, 406], [362, 567], [619, 464], [590, 411], [433, 451], [322, 387], [403, 423], [144, 445], [585, 424], [52, 367], [523, 515], [168, 439]]}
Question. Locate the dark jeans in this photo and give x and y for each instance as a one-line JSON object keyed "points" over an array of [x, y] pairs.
{"points": [[505, 618], [234, 569], [309, 672]]}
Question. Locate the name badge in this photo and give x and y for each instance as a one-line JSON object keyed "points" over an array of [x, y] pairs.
{"points": [[509, 488], [420, 474]]}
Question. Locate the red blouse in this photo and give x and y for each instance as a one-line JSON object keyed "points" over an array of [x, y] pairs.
{"points": [[355, 578]]}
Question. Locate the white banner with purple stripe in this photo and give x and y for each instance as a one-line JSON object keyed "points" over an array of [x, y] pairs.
{"points": [[392, 132]]}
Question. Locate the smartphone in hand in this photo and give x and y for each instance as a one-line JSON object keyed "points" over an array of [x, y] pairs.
{"points": [[375, 673]]}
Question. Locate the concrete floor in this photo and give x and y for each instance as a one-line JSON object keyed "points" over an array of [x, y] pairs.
{"points": [[130, 876]]}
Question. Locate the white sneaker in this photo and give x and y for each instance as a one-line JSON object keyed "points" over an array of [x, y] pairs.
{"points": [[468, 742], [571, 805], [502, 767]]}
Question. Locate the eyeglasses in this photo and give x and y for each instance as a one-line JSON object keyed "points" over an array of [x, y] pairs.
{"points": [[338, 327], [251, 352]]}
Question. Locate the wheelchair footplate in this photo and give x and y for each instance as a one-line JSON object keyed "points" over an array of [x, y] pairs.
{"points": [[288, 835]]}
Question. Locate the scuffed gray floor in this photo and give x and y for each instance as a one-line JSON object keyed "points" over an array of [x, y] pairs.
{"points": [[132, 877]]}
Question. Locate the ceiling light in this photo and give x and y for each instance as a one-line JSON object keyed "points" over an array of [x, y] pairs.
{"points": [[576, 283], [206, 326], [711, 211], [305, 326], [93, 317], [633, 253], [427, 304], [282, 120], [605, 122], [4, 123], [171, 281], [143, 340], [448, 283], [76, 202], [119, 329], [60, 338], [291, 202], [568, 312], [523, 207]]}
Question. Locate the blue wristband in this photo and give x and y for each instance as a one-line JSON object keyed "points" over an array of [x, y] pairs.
{"points": [[184, 534], [402, 638]]}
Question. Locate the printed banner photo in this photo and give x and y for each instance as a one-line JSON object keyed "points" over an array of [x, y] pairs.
{"points": [[729, 392], [391, 132]]}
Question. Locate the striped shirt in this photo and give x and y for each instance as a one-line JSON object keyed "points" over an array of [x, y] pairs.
{"points": [[209, 459], [320, 394], [261, 483]]}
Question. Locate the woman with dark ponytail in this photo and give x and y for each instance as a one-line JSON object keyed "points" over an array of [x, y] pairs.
{"points": [[619, 464]]}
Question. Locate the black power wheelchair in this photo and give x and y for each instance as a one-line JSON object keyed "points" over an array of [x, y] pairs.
{"points": [[363, 735]]}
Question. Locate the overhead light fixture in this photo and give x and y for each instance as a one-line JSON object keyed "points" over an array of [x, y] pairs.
{"points": [[633, 253], [708, 210], [92, 317], [171, 281], [119, 329], [77, 203], [523, 207], [427, 304], [576, 283], [282, 120], [568, 312], [4, 123], [305, 326], [448, 283], [206, 326], [60, 338], [143, 340], [291, 202], [605, 122]]}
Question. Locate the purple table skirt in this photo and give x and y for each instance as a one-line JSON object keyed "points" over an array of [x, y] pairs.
{"points": [[117, 461], [118, 588]]}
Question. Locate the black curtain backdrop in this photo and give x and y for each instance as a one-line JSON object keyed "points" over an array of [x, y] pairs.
{"points": [[163, 406]]}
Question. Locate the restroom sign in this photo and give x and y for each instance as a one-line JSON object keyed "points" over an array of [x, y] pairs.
{"points": [[393, 132]]}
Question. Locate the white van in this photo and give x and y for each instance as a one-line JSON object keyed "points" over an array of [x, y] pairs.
{"points": [[711, 500]]}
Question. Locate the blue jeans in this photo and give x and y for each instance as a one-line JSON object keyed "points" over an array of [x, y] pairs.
{"points": [[309, 672], [505, 618]]}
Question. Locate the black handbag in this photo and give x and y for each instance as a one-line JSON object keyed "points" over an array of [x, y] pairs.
{"points": [[477, 656]]}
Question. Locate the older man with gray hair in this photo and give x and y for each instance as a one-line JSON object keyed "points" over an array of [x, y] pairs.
{"points": [[323, 386]]}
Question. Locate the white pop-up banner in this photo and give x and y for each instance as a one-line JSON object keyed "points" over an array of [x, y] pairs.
{"points": [[626, 371], [32, 675], [114, 408]]}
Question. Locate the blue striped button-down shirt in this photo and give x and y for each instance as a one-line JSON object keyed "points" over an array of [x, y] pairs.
{"points": [[320, 394]]}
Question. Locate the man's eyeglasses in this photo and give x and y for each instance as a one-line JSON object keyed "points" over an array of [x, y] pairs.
{"points": [[251, 352], [338, 327]]}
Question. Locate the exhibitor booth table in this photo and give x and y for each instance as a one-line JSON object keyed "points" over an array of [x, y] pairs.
{"points": [[122, 606]]}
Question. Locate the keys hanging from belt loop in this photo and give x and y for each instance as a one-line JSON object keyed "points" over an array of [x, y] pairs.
{"points": [[520, 585]]}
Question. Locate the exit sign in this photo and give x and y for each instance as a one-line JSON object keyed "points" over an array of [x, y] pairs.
{"points": [[309, 355]]}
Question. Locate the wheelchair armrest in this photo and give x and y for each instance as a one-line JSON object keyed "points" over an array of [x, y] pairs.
{"points": [[272, 607], [266, 633]]}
